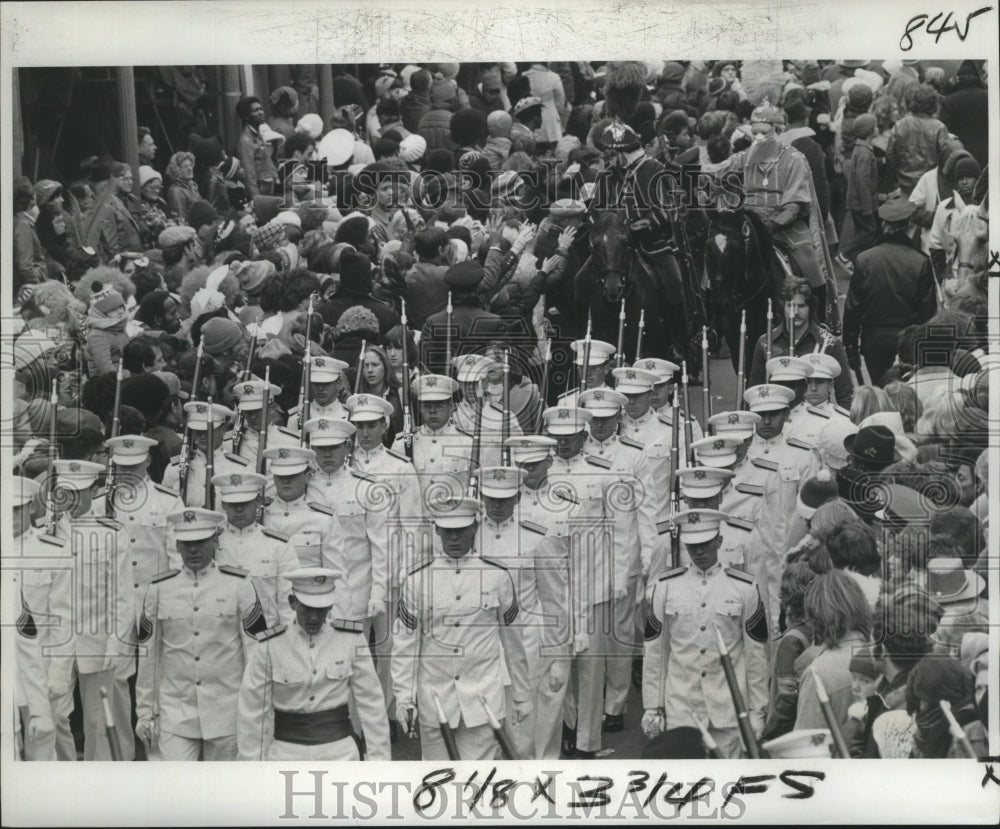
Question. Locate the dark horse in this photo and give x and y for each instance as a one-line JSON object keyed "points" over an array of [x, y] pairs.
{"points": [[744, 274], [612, 272]]}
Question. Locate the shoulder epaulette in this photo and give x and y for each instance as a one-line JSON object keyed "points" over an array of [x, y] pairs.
{"points": [[736, 573], [364, 476], [55, 541], [739, 523], [416, 568], [236, 459], [318, 507], [166, 574], [818, 412], [274, 534], [167, 490], [290, 432], [762, 463], [569, 393], [563, 495], [270, 633], [229, 570], [634, 444], [798, 444], [397, 455], [676, 571], [348, 626], [594, 460], [533, 527], [749, 489], [494, 563], [665, 419], [110, 523], [663, 527], [841, 410]]}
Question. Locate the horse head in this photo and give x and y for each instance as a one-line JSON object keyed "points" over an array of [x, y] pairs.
{"points": [[610, 249], [969, 229]]}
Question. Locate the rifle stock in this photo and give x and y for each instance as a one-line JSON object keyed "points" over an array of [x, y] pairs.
{"points": [[405, 387]]}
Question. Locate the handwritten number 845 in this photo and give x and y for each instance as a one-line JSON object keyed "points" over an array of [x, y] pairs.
{"points": [[938, 25]]}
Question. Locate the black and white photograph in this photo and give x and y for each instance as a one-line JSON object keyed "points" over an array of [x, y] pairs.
{"points": [[418, 427]]}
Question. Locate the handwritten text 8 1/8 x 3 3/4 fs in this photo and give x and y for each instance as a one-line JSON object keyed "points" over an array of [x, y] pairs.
{"points": [[444, 794]]}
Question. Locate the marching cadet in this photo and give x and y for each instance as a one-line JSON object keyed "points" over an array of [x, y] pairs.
{"points": [[806, 420], [369, 414], [666, 374], [595, 549], [250, 397], [296, 512], [803, 424], [535, 554], [197, 422], [142, 506], [441, 452], [702, 486], [72, 494], [596, 369], [31, 689], [326, 380], [299, 685], [472, 372], [542, 512], [783, 467], [639, 421], [359, 513], [267, 555], [681, 676], [452, 634], [197, 624], [634, 517]]}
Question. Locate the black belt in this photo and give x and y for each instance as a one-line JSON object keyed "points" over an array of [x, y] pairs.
{"points": [[313, 728]]}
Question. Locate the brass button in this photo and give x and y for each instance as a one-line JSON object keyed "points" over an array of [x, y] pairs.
{"points": [[198, 682], [456, 677], [702, 627], [196, 633], [197, 659]]}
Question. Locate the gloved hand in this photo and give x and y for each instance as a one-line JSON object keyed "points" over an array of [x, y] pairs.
{"points": [[558, 675], [521, 710], [40, 727], [404, 718], [147, 730], [853, 357], [757, 723], [652, 722], [375, 607], [580, 643]]}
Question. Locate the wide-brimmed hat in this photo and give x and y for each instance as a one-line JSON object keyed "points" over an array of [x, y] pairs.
{"points": [[874, 445], [949, 582]]}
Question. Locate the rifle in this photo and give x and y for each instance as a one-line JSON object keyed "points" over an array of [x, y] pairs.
{"points": [[447, 337], [638, 339], [505, 415], [405, 389], [706, 396], [53, 452], [446, 733], [586, 357], [831, 719], [109, 727], [790, 325], [240, 428], [544, 391], [210, 458], [688, 429], [742, 715], [620, 356], [361, 362], [770, 334], [675, 491], [262, 442], [304, 386], [109, 495], [477, 439], [184, 469], [506, 748], [740, 377], [957, 732]]}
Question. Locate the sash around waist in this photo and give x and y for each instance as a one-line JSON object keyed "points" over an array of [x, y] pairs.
{"points": [[312, 728]]}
